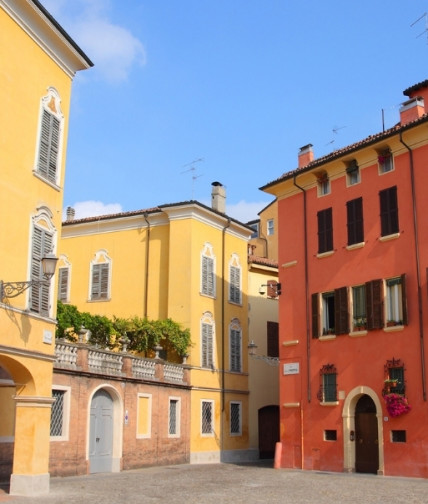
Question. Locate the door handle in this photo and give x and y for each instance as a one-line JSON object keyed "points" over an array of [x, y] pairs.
{"points": [[97, 439]]}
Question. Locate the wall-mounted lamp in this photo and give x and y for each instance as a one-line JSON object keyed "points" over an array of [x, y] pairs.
{"points": [[273, 289], [252, 347], [13, 289]]}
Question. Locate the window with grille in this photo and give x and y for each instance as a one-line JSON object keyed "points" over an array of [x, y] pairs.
{"points": [[389, 211], [47, 165], [207, 345], [355, 224], [235, 284], [235, 418], [174, 417], [58, 413], [394, 377], [325, 230], [42, 243], [235, 349], [207, 417], [328, 386], [63, 279]]}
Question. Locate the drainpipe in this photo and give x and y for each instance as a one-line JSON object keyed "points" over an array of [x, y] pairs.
{"points": [[308, 334], [223, 268], [418, 271], [146, 280]]}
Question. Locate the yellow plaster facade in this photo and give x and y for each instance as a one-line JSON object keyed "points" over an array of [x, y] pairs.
{"points": [[38, 62]]}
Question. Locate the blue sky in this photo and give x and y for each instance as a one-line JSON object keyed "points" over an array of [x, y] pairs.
{"points": [[187, 92]]}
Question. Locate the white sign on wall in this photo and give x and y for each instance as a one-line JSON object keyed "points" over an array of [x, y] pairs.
{"points": [[292, 368], [47, 337]]}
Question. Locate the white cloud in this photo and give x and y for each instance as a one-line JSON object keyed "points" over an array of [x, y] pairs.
{"points": [[245, 211], [85, 209], [113, 48]]}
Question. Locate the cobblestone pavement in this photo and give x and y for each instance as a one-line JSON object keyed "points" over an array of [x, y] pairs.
{"points": [[229, 483]]}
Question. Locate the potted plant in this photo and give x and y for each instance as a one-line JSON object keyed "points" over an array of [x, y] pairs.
{"points": [[360, 324], [396, 404]]}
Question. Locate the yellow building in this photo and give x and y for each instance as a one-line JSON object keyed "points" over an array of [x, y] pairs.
{"points": [[38, 62], [187, 262]]}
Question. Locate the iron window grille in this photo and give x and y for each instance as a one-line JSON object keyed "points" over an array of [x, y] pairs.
{"points": [[328, 386], [207, 417], [394, 377], [57, 413]]}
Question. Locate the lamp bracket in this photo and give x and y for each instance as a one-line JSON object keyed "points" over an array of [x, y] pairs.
{"points": [[14, 289]]}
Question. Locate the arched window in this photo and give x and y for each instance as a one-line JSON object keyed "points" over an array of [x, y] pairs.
{"points": [[207, 340], [208, 271]]}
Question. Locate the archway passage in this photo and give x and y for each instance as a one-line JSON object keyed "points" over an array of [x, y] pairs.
{"points": [[366, 436], [268, 431], [101, 433]]}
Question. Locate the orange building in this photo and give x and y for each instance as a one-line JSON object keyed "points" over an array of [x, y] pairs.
{"points": [[353, 264]]}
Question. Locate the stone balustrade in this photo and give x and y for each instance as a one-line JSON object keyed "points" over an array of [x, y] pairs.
{"points": [[65, 356], [174, 373]]}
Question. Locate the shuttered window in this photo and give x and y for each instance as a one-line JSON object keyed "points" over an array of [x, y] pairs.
{"points": [[47, 164], [315, 316], [396, 305], [235, 350], [100, 281], [335, 312], [374, 308], [207, 280], [235, 285], [39, 294], [325, 230], [207, 345], [389, 211], [272, 339], [63, 279], [341, 314], [355, 225]]}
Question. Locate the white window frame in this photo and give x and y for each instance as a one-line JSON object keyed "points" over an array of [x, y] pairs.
{"points": [[212, 433], [208, 260], [239, 404], [235, 348], [65, 413], [177, 401], [101, 258], [270, 227], [357, 319], [207, 320], [394, 300], [148, 434], [235, 280], [326, 323], [50, 107]]}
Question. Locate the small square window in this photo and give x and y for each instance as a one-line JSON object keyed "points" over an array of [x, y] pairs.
{"points": [[330, 435], [398, 436]]}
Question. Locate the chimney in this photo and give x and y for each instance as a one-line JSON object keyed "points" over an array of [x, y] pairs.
{"points": [[411, 110], [71, 212], [306, 155], [218, 197]]}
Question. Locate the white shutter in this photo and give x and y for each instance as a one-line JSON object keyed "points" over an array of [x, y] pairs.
{"points": [[235, 285], [207, 280], [207, 345], [42, 244], [63, 274], [49, 146], [235, 350]]}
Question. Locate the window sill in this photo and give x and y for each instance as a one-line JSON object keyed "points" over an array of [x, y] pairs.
{"points": [[321, 255], [355, 246], [99, 300], [46, 180], [329, 403], [393, 236], [394, 328], [355, 334], [327, 337]]}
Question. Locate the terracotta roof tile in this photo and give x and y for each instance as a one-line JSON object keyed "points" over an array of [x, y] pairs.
{"points": [[264, 261]]}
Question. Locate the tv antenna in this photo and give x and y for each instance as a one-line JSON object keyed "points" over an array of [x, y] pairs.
{"points": [[193, 170], [424, 15]]}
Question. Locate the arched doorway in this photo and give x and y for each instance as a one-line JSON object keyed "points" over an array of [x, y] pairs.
{"points": [[268, 431], [366, 436], [101, 432]]}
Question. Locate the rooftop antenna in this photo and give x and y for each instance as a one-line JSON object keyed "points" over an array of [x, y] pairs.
{"points": [[424, 15], [193, 170]]}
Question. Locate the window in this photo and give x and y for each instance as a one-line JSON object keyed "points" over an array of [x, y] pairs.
{"points": [[174, 417], [270, 227], [235, 419], [144, 415], [207, 271], [63, 279], [398, 436], [385, 161], [389, 211], [323, 183], [330, 435], [353, 172], [50, 136], [60, 413], [235, 346], [207, 343], [328, 386], [395, 301], [359, 318], [354, 209], [100, 276], [207, 416], [332, 309], [272, 339], [325, 230], [235, 280], [255, 226], [394, 377], [42, 243]]}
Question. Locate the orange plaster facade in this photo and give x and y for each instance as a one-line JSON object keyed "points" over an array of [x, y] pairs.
{"points": [[351, 430]]}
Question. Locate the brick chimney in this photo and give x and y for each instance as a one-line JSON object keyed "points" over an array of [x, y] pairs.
{"points": [[218, 197], [71, 212], [411, 110], [306, 155]]}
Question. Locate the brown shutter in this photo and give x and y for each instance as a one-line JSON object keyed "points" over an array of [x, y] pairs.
{"points": [[341, 317], [315, 316], [272, 339], [374, 304]]}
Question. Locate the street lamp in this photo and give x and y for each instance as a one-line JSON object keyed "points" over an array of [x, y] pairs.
{"points": [[252, 347], [273, 289], [13, 289]]}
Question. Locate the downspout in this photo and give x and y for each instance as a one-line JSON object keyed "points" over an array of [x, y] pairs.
{"points": [[146, 280], [308, 334], [418, 271], [223, 269]]}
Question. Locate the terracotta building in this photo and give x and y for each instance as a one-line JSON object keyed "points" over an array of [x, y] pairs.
{"points": [[353, 262]]}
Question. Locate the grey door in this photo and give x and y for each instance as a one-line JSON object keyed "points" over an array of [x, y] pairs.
{"points": [[101, 433]]}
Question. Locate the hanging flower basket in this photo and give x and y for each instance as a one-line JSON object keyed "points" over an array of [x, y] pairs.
{"points": [[396, 404]]}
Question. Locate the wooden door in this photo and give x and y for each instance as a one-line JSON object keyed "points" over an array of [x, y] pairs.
{"points": [[366, 436], [101, 433], [268, 431]]}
